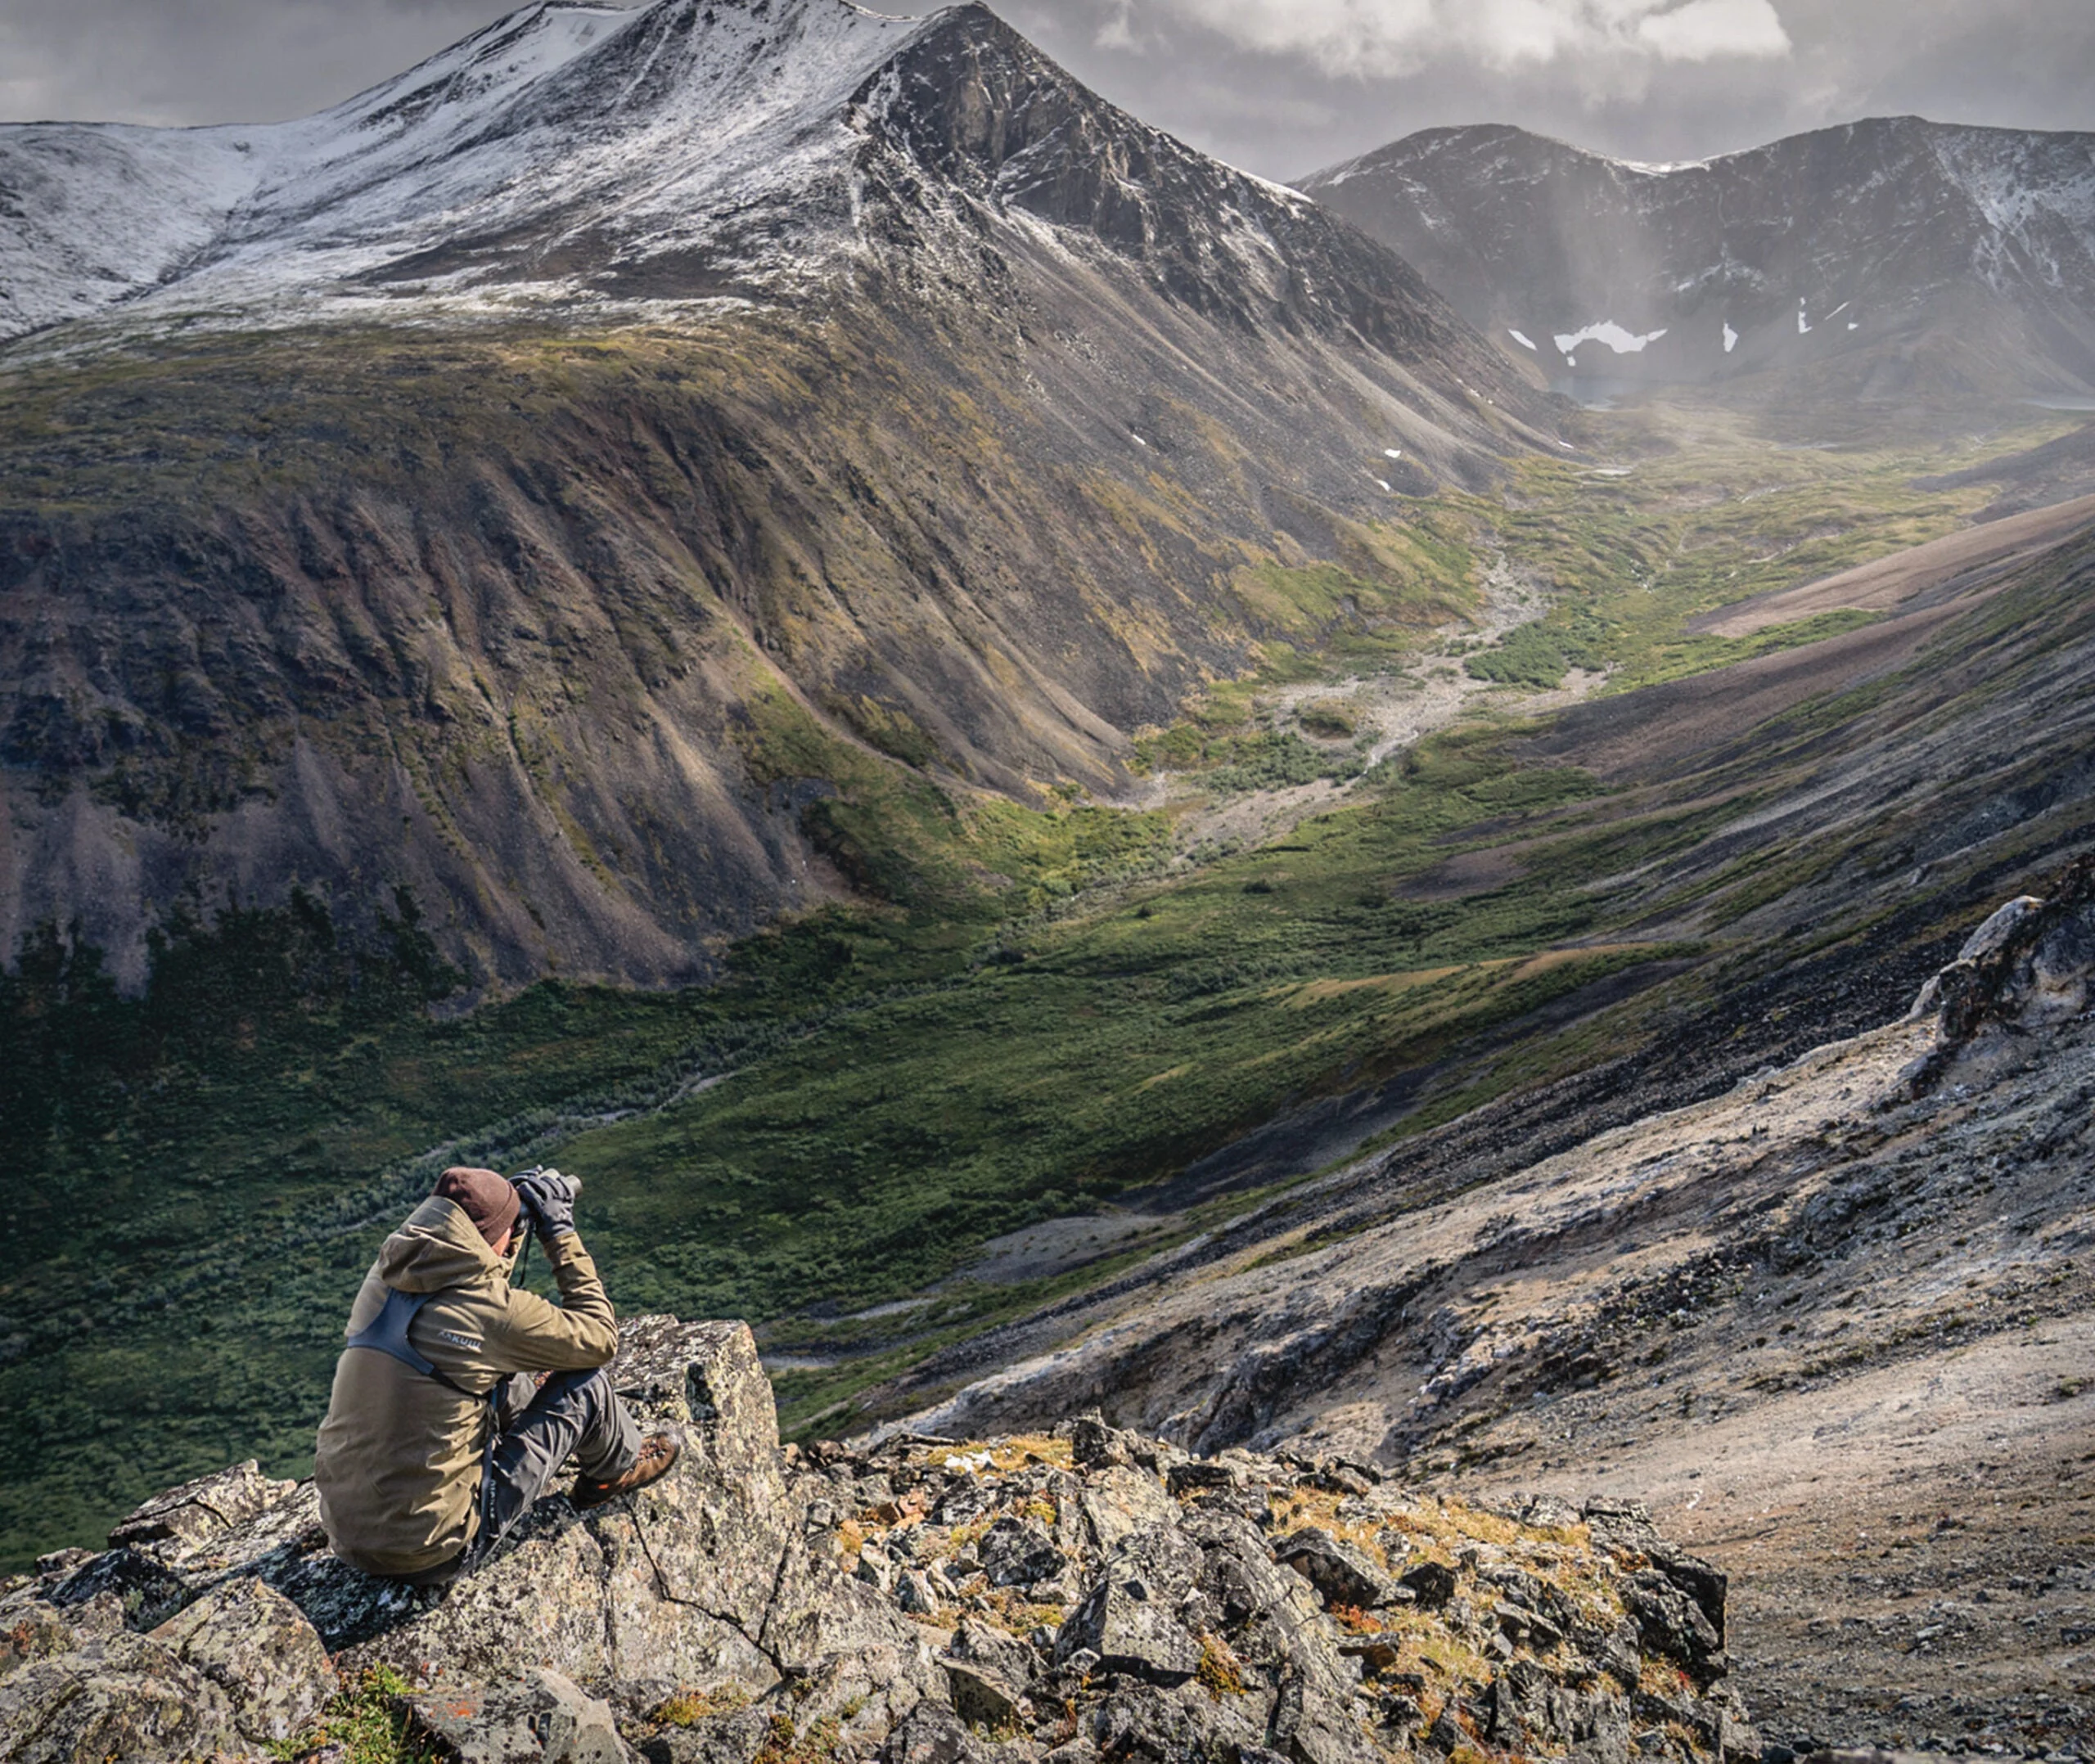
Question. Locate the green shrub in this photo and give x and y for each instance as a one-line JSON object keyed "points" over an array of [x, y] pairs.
{"points": [[367, 1722]]}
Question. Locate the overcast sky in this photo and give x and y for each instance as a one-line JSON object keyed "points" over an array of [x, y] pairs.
{"points": [[1280, 86]]}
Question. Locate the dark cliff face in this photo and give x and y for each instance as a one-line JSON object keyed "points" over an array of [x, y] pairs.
{"points": [[1889, 251], [566, 624], [979, 106]]}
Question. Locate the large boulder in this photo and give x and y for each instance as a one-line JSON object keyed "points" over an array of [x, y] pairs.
{"points": [[703, 1578], [1532, 1713], [1130, 1617], [1311, 1725], [1017, 1552], [677, 1581], [257, 1647], [2029, 966], [121, 1696], [1340, 1572], [1119, 1499]]}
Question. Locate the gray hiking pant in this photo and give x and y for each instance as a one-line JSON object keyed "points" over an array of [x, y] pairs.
{"points": [[536, 1428]]}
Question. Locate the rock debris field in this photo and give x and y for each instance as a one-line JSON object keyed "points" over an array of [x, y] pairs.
{"points": [[1087, 1594]]}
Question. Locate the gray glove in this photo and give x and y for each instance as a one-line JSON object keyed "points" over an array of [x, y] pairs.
{"points": [[549, 1198]]}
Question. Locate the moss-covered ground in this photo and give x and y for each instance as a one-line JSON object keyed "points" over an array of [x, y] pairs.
{"points": [[1035, 1010]]}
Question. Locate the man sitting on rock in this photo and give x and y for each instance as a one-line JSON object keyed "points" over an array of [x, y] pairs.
{"points": [[438, 1436]]}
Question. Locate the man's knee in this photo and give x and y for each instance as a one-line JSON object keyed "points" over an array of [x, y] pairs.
{"points": [[587, 1392], [516, 1395]]}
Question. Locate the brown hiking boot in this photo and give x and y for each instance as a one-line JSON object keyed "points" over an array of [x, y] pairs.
{"points": [[658, 1455]]}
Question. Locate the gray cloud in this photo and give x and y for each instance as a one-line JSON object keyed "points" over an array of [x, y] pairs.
{"points": [[1381, 39], [184, 61], [1281, 86], [1646, 81]]}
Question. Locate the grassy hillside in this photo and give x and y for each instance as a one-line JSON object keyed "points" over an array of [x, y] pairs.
{"points": [[520, 619], [1033, 1011]]}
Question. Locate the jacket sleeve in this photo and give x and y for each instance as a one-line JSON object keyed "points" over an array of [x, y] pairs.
{"points": [[580, 1332]]}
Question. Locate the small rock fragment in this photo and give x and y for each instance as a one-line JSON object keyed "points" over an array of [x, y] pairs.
{"points": [[538, 1717], [1341, 1574], [980, 1697], [1197, 1474], [1017, 1552], [1432, 1584]]}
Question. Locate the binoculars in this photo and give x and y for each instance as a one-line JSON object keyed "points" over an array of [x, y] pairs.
{"points": [[540, 1179], [519, 1179]]}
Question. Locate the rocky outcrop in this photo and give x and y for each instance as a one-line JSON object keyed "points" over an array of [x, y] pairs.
{"points": [[1087, 1593], [2028, 967]]}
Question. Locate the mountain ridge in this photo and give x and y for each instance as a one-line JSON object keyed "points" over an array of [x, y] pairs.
{"points": [[465, 142], [1897, 255], [562, 580], [442, 181]]}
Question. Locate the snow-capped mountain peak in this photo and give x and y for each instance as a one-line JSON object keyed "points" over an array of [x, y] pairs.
{"points": [[860, 347], [674, 126]]}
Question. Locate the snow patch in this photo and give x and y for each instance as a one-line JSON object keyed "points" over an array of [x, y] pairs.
{"points": [[1393, 453], [1731, 339], [1137, 438], [1613, 335], [1516, 337], [1804, 325]]}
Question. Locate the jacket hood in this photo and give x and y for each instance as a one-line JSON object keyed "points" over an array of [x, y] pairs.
{"points": [[438, 1247]]}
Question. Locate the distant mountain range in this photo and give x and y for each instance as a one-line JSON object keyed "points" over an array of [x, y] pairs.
{"points": [[525, 481], [1887, 259]]}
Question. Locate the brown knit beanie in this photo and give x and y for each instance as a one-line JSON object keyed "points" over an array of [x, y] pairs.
{"points": [[490, 1201]]}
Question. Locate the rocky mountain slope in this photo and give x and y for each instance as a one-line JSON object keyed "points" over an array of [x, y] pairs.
{"points": [[1094, 1594], [1890, 260], [539, 481], [1832, 1322], [1819, 829]]}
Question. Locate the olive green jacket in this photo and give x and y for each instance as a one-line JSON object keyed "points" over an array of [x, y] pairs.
{"points": [[397, 1464]]}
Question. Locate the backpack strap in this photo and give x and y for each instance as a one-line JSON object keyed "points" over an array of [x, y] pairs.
{"points": [[387, 1333]]}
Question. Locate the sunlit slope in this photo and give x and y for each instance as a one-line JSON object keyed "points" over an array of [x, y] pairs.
{"points": [[1512, 936], [562, 582]]}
